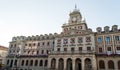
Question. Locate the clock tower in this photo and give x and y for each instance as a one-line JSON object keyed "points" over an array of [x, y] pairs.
{"points": [[76, 25], [75, 16]]}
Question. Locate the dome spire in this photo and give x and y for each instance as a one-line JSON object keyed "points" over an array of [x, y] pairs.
{"points": [[75, 8]]}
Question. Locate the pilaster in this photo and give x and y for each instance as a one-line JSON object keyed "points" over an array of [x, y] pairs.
{"points": [[73, 63], [65, 62], [83, 63], [56, 64]]}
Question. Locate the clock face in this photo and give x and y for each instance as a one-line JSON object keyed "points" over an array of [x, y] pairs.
{"points": [[74, 19]]}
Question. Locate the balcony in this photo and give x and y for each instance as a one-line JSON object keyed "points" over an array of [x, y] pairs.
{"points": [[42, 55], [72, 52], [19, 56], [107, 54]]}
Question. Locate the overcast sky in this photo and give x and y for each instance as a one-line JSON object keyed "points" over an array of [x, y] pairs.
{"points": [[35, 17]]}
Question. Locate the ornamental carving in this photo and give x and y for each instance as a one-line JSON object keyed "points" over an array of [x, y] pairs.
{"points": [[88, 39], [65, 41], [80, 39], [59, 41]]}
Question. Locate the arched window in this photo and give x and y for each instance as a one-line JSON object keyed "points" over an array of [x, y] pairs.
{"points": [[88, 64], [53, 63], [15, 63], [36, 62], [26, 62], [110, 64], [119, 64], [46, 63], [61, 64], [31, 63], [41, 63], [7, 62], [22, 63], [101, 64], [11, 63]]}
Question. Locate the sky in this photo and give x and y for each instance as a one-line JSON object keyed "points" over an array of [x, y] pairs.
{"points": [[35, 17]]}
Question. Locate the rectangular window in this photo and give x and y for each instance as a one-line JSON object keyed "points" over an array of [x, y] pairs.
{"points": [[109, 48], [107, 39], [99, 40], [88, 48], [42, 51], [100, 50], [43, 44], [38, 44], [117, 38], [72, 49], [118, 48], [37, 52], [65, 49], [80, 48], [47, 51], [48, 43], [58, 49]]}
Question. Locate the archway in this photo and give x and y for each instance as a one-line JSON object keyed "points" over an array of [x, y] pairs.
{"points": [[61, 64], [88, 64], [110, 64], [69, 64], [78, 64], [101, 64], [119, 64], [53, 63]]}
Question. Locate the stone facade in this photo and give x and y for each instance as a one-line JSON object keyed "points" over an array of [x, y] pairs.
{"points": [[3, 54], [77, 47], [108, 48]]}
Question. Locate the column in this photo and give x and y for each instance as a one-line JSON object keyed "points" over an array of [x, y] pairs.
{"points": [[49, 63], [73, 63], [115, 64], [83, 63], [94, 65], [65, 63], [56, 63], [106, 65], [43, 67]]}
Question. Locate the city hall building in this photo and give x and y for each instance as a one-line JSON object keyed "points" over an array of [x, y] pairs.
{"points": [[77, 47]]}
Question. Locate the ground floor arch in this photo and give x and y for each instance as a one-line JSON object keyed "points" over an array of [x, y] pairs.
{"points": [[61, 64], [69, 64], [53, 63], [88, 64], [78, 64], [72, 63]]}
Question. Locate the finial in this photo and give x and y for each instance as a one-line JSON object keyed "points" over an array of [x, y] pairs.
{"points": [[75, 6]]}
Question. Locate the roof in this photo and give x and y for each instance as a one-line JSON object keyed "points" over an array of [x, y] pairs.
{"points": [[3, 48]]}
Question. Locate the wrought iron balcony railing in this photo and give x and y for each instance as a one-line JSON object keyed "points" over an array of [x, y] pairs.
{"points": [[72, 52]]}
